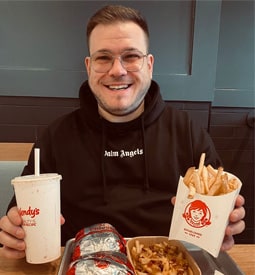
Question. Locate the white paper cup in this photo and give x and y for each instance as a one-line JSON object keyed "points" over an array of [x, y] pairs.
{"points": [[206, 227], [38, 201]]}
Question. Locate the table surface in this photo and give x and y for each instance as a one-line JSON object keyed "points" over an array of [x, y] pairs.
{"points": [[243, 255]]}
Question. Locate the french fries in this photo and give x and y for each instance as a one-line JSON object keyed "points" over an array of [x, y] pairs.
{"points": [[208, 181], [159, 259]]}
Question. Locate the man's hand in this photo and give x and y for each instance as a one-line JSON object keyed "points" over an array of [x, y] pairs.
{"points": [[236, 224], [12, 235]]}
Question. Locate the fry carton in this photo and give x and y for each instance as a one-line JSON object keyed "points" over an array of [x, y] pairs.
{"points": [[200, 218]]}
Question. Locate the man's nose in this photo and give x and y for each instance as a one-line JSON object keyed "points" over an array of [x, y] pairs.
{"points": [[117, 67]]}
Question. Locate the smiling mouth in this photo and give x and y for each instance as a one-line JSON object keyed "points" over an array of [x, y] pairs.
{"points": [[118, 87]]}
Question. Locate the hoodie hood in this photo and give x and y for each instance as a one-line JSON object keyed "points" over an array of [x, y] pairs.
{"points": [[154, 106]]}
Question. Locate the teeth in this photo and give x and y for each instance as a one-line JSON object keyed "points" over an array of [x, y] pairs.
{"points": [[118, 87]]}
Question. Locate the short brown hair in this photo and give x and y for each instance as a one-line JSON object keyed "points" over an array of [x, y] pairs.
{"points": [[117, 13]]}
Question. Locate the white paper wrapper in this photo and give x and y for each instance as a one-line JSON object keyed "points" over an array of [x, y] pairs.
{"points": [[202, 220]]}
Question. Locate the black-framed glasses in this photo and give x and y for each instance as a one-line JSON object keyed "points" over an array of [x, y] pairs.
{"points": [[131, 61]]}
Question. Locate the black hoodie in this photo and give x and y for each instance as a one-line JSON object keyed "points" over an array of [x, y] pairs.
{"points": [[121, 173]]}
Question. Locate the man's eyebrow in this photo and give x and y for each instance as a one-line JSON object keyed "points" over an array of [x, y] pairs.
{"points": [[130, 49], [102, 51]]}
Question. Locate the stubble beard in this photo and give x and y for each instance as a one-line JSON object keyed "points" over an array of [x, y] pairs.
{"points": [[122, 111]]}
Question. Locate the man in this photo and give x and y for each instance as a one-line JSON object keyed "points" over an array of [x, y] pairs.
{"points": [[121, 154]]}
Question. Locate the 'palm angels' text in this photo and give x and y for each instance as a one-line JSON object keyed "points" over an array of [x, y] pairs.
{"points": [[123, 153]]}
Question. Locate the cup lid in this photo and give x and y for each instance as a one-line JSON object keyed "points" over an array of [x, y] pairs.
{"points": [[27, 178]]}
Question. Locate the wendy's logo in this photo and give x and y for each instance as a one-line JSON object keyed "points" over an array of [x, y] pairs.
{"points": [[32, 212], [197, 214]]}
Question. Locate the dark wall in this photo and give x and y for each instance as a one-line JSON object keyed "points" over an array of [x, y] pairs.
{"points": [[232, 130], [234, 85], [22, 119]]}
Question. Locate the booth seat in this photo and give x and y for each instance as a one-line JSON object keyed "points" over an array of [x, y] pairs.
{"points": [[13, 158]]}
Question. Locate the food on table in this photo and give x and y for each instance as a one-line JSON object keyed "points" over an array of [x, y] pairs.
{"points": [[99, 249], [156, 255], [102, 263], [208, 181], [160, 258], [98, 237]]}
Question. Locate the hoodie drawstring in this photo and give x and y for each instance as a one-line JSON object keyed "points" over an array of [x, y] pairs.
{"points": [[105, 197], [146, 177]]}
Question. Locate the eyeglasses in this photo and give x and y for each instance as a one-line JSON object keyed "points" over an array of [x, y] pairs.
{"points": [[131, 61]]}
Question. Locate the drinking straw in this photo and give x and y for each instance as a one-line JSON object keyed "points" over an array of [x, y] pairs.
{"points": [[37, 161]]}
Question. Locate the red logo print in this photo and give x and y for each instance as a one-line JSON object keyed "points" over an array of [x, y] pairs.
{"points": [[32, 212], [197, 214]]}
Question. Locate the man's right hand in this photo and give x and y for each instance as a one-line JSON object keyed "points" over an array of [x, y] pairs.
{"points": [[12, 235]]}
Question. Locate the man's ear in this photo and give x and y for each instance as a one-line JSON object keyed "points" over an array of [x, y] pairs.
{"points": [[150, 62], [87, 64]]}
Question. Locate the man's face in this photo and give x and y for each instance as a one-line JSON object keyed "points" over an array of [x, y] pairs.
{"points": [[119, 92]]}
